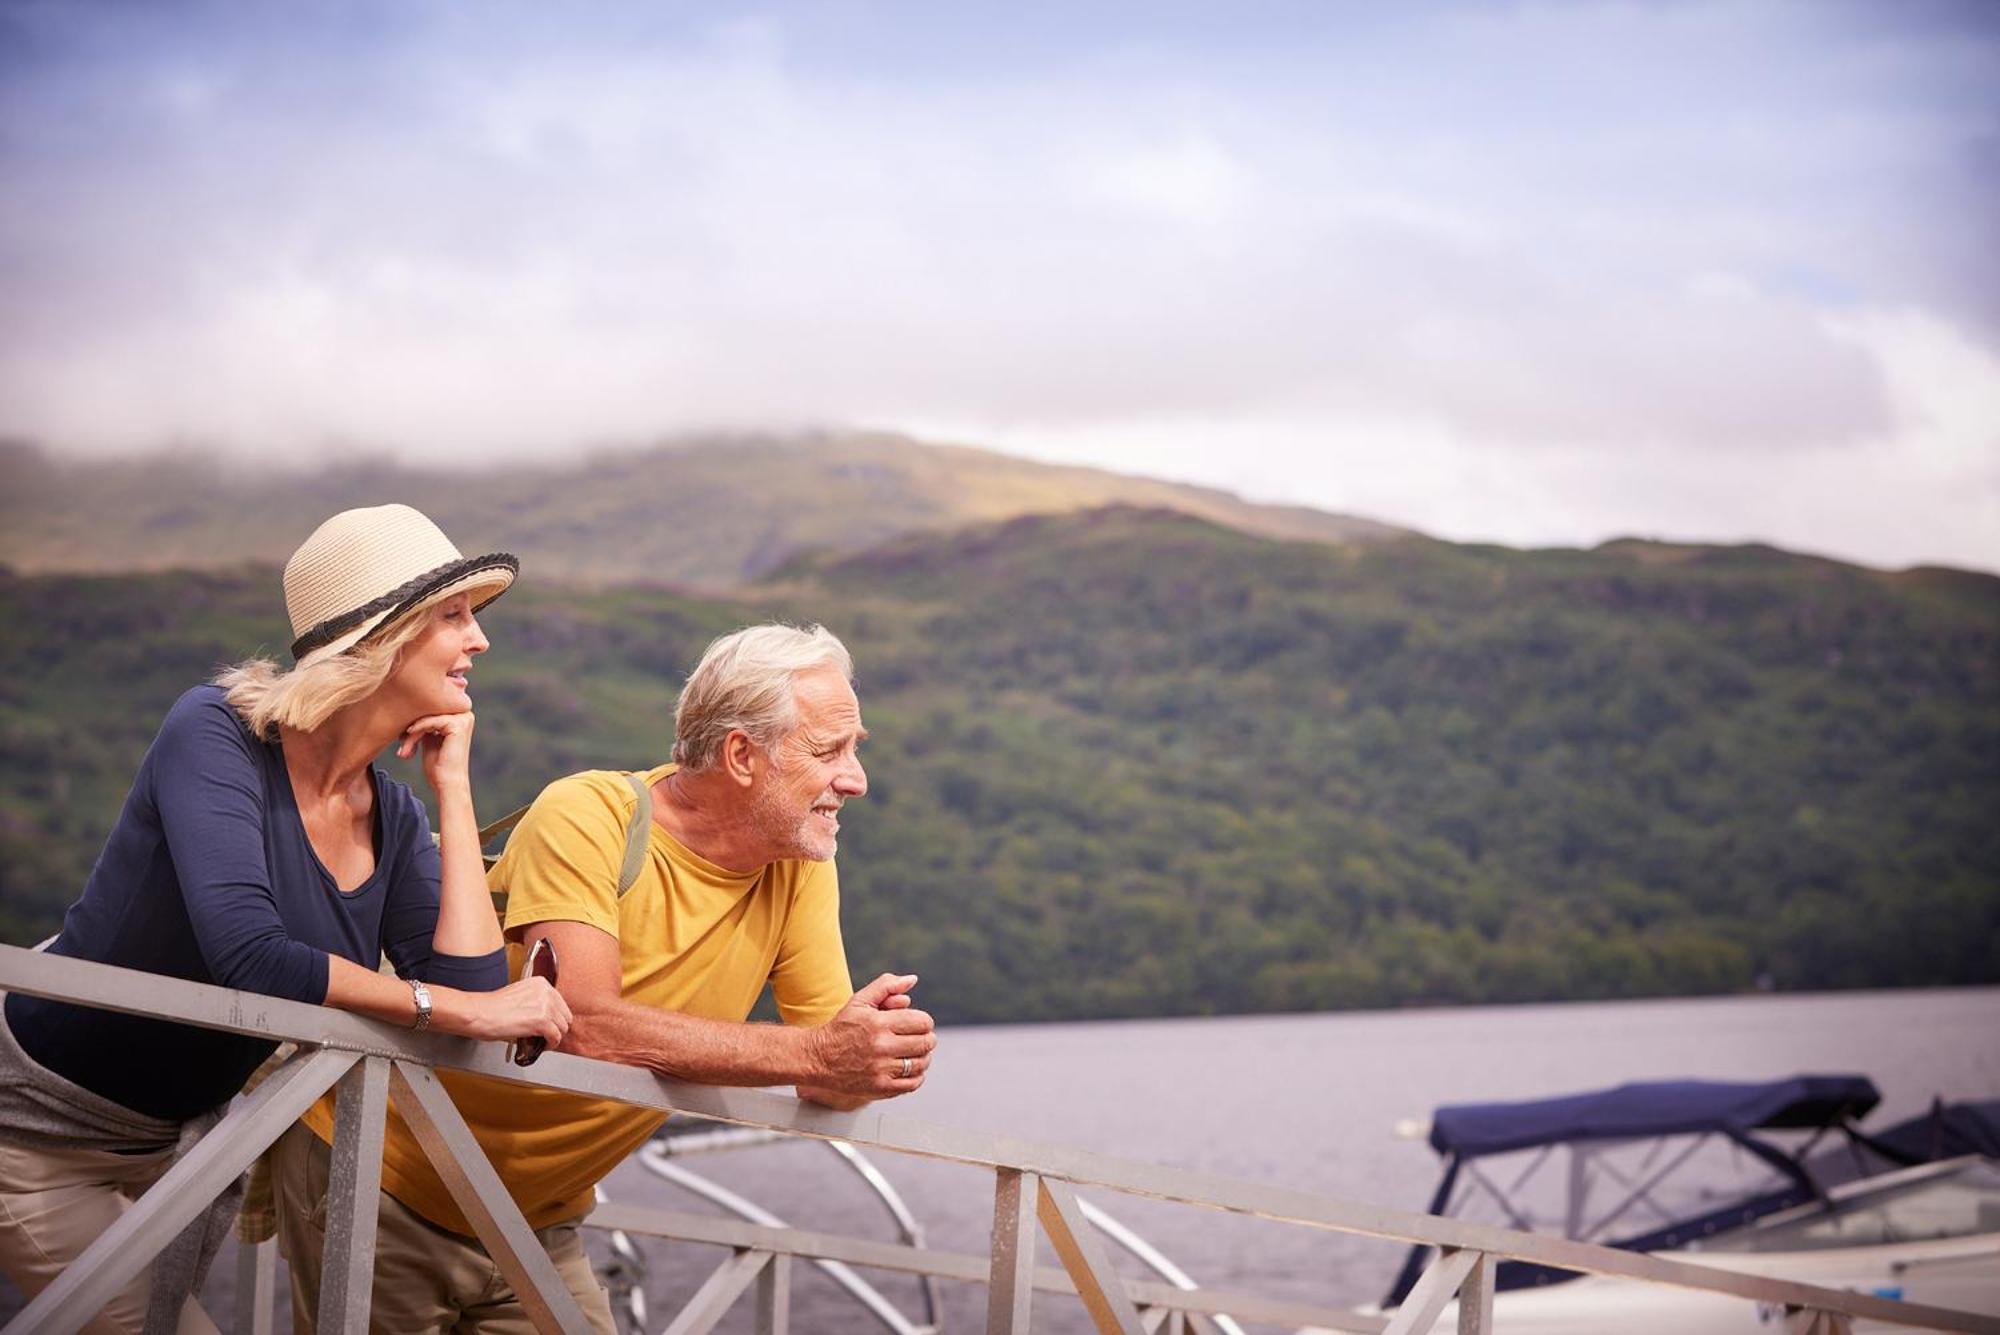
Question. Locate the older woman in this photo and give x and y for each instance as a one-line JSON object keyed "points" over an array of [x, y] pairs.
{"points": [[260, 848]]}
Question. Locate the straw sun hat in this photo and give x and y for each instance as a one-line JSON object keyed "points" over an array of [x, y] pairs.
{"points": [[363, 569]]}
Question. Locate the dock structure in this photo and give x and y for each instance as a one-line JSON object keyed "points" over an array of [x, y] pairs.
{"points": [[1034, 1197]]}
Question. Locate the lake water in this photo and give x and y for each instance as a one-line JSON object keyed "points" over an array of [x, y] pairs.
{"points": [[1307, 1101], [1310, 1102]]}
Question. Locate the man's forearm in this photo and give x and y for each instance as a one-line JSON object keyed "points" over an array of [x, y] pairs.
{"points": [[695, 1048], [876, 1046]]}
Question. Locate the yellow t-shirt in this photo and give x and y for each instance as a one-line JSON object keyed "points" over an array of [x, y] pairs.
{"points": [[692, 937]]}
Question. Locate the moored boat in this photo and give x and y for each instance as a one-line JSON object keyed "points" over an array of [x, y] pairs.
{"points": [[1777, 1178]]}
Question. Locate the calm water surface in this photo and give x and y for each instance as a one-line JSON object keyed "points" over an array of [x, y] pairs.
{"points": [[1310, 1102]]}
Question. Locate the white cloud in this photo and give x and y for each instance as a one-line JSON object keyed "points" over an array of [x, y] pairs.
{"points": [[1481, 272], [1192, 179], [1925, 490], [1946, 393]]}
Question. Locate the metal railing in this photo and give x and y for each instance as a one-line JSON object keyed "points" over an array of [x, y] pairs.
{"points": [[1034, 1184]]}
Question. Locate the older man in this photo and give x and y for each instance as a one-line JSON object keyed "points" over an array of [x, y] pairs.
{"points": [[667, 933]]}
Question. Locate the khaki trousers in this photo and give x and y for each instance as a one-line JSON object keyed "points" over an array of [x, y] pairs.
{"points": [[428, 1280], [54, 1202]]}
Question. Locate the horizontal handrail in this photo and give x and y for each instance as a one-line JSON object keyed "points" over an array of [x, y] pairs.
{"points": [[683, 1226], [277, 1019]]}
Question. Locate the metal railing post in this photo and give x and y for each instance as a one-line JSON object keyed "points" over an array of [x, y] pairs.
{"points": [[256, 1287], [1010, 1292], [353, 1195], [1475, 1297], [774, 1297]]}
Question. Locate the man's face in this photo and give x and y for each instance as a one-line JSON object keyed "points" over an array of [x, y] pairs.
{"points": [[813, 770]]}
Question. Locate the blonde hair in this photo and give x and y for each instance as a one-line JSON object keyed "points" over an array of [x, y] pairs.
{"points": [[744, 681], [267, 696]]}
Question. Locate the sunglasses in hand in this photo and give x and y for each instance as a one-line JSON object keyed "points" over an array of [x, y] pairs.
{"points": [[541, 963]]}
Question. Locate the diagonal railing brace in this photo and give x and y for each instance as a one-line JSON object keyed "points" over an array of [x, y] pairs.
{"points": [[1433, 1290], [182, 1193], [1082, 1253], [468, 1175]]}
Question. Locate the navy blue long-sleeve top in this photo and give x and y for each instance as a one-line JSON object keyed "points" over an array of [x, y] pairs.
{"points": [[209, 875]]}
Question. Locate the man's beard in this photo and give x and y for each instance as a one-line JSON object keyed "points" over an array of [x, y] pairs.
{"points": [[794, 833]]}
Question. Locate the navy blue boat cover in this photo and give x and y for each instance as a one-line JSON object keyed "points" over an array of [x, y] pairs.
{"points": [[1945, 1132], [1658, 1108]]}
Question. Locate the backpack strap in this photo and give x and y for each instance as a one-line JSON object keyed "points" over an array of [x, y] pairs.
{"points": [[637, 832], [489, 833]]}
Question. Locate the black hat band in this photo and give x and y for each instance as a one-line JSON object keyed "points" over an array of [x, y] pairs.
{"points": [[401, 598]]}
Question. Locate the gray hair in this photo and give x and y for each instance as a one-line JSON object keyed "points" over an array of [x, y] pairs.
{"points": [[744, 680]]}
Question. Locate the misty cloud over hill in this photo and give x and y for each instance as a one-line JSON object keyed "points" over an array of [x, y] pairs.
{"points": [[708, 512]]}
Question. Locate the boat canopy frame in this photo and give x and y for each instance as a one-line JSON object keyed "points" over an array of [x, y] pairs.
{"points": [[1597, 1120], [1648, 1109]]}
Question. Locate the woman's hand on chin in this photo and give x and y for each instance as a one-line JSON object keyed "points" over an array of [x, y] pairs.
{"points": [[445, 741], [530, 1008]]}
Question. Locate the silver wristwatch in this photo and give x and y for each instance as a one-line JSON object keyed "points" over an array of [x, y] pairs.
{"points": [[423, 996]]}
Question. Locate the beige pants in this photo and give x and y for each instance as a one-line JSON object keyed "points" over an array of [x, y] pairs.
{"points": [[427, 1279], [56, 1202]]}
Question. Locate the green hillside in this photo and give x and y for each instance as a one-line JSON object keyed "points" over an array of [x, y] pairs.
{"points": [[1127, 762], [705, 512]]}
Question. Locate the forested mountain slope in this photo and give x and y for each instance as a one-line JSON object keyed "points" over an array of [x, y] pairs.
{"points": [[1127, 762]]}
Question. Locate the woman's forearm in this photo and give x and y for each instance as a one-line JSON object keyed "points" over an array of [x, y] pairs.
{"points": [[466, 922], [379, 996], [528, 1008]]}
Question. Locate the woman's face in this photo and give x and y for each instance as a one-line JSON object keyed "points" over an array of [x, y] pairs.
{"points": [[433, 668]]}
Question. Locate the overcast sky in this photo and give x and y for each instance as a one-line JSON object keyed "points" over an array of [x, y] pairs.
{"points": [[1540, 273]]}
